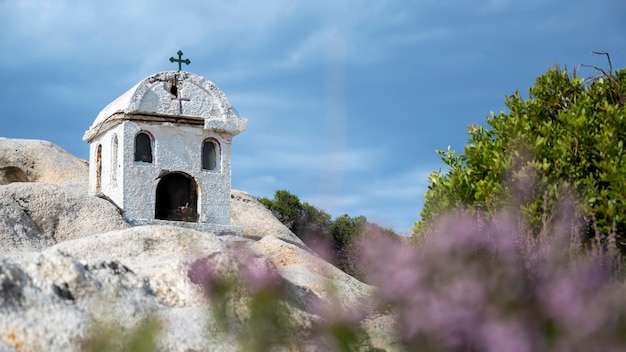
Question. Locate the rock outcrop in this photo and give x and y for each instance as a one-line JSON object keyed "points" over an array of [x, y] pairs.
{"points": [[256, 220], [69, 260], [31, 160], [34, 216]]}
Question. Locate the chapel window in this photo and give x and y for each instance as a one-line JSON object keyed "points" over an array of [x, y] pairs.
{"points": [[98, 168], [143, 147], [114, 159], [209, 154]]}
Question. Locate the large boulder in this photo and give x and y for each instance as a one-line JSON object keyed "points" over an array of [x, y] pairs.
{"points": [[37, 161], [161, 254], [49, 300], [69, 261], [256, 220], [308, 271], [34, 216], [31, 160]]}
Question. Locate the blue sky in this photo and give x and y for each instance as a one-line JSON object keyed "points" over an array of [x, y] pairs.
{"points": [[346, 101]]}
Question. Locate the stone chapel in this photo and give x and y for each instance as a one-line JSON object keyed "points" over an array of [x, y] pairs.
{"points": [[162, 152]]}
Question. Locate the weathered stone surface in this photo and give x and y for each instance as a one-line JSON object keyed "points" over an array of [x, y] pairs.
{"points": [[308, 271], [161, 254], [68, 260], [160, 159], [381, 332], [257, 221], [32, 160], [34, 216], [50, 300], [127, 274]]}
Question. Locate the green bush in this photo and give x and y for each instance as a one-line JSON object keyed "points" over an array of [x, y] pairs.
{"points": [[304, 220], [107, 336], [564, 143], [334, 240]]}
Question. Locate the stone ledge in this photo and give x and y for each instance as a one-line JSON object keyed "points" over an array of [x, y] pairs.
{"points": [[217, 229]]}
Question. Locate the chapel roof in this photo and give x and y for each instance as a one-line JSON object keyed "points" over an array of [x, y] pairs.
{"points": [[176, 94]]}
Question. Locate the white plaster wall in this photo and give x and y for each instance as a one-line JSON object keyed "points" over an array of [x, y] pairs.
{"points": [[109, 187], [152, 95], [175, 148]]}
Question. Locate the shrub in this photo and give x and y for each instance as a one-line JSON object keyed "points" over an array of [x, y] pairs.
{"points": [[303, 219], [253, 306], [565, 141], [334, 240], [476, 286], [106, 336]]}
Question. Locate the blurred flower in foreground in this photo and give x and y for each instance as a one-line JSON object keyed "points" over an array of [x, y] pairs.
{"points": [[252, 303], [477, 287]]}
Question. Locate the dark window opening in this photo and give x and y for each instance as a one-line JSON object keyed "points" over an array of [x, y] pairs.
{"points": [[143, 148], [209, 155], [176, 198]]}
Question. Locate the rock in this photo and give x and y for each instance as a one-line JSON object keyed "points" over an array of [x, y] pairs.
{"points": [[34, 216], [69, 261], [161, 254], [49, 302], [128, 274], [381, 332], [31, 160], [257, 221], [312, 274]]}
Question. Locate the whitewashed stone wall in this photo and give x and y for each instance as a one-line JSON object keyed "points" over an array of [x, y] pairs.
{"points": [[178, 129], [177, 149], [110, 186]]}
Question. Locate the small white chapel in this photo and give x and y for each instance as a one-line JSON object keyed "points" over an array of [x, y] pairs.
{"points": [[162, 152]]}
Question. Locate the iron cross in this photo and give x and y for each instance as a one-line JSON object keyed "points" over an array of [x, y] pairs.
{"points": [[180, 60]]}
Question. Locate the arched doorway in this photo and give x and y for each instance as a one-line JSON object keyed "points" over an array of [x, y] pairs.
{"points": [[176, 198]]}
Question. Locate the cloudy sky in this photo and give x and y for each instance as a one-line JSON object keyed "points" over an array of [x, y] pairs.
{"points": [[346, 100]]}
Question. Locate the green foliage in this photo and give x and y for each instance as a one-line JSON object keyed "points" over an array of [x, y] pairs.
{"points": [[351, 258], [261, 325], [345, 228], [565, 142], [285, 206], [335, 240], [302, 218], [254, 308], [346, 231], [109, 336]]}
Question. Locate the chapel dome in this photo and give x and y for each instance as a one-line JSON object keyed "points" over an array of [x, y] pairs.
{"points": [[177, 94]]}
